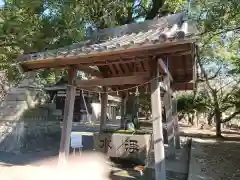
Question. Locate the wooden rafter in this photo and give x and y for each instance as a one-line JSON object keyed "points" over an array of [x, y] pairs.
{"points": [[118, 68], [113, 81], [124, 66]]}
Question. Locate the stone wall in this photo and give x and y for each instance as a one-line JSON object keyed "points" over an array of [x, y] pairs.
{"points": [[24, 124], [11, 133], [21, 137], [41, 136]]}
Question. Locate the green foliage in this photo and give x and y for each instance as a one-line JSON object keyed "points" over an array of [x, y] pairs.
{"points": [[28, 26], [188, 103], [33, 26], [145, 102], [218, 25], [36, 25]]}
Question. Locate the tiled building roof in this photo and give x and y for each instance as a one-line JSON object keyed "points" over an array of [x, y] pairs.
{"points": [[165, 29]]}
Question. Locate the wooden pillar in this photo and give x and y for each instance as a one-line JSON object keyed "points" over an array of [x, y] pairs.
{"points": [[176, 126], [110, 111], [104, 100], [123, 109], [114, 113], [159, 154], [68, 116], [169, 117]]}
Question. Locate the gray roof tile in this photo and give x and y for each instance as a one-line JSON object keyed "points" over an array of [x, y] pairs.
{"points": [[172, 27]]}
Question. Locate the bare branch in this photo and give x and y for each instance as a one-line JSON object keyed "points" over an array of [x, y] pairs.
{"points": [[210, 78], [226, 85], [231, 116]]}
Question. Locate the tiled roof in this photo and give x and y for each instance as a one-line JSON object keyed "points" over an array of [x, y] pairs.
{"points": [[168, 28]]}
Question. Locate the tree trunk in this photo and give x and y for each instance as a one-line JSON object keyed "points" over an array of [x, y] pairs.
{"points": [[218, 123], [197, 116], [209, 118], [190, 121], [193, 118]]}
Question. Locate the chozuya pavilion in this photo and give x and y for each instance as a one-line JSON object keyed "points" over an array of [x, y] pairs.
{"points": [[160, 52]]}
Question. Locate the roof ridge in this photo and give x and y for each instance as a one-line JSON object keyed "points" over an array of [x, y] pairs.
{"points": [[136, 27]]}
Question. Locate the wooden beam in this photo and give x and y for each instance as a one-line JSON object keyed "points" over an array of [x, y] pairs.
{"points": [[113, 81], [68, 116], [105, 58], [92, 88], [104, 100], [129, 73], [165, 69], [89, 70], [184, 86], [159, 154]]}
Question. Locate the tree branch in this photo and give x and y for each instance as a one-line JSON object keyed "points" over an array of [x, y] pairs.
{"points": [[226, 97], [203, 71], [156, 5], [210, 78], [231, 116], [223, 31], [217, 33], [226, 85]]}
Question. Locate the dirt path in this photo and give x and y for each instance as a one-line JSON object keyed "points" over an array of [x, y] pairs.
{"points": [[211, 158]]}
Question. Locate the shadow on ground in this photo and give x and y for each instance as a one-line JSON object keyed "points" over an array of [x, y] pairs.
{"points": [[25, 159], [209, 136], [215, 159], [7, 158]]}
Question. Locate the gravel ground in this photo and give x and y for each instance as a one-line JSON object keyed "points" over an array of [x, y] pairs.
{"points": [[215, 160]]}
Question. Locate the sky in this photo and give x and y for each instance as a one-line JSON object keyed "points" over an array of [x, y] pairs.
{"points": [[1, 3]]}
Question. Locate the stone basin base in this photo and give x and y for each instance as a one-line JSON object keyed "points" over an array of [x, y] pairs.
{"points": [[124, 146]]}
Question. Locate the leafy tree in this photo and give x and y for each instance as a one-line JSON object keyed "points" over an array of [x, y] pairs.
{"points": [[188, 104], [218, 23], [28, 26], [36, 25], [33, 26]]}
